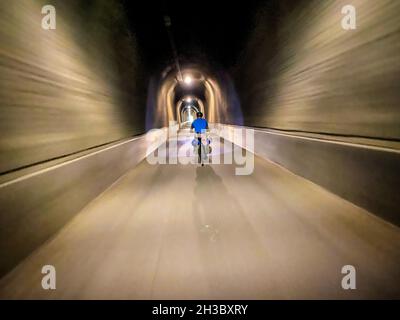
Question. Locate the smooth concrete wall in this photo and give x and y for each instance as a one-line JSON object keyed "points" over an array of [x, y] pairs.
{"points": [[68, 89], [365, 175], [302, 71], [36, 205], [302, 74]]}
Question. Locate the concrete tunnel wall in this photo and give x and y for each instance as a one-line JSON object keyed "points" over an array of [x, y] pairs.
{"points": [[303, 72], [66, 95], [324, 100], [69, 89]]}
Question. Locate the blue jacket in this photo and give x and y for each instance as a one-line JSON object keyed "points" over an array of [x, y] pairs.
{"points": [[199, 125]]}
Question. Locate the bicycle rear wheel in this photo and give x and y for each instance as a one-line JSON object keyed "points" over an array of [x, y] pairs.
{"points": [[199, 152]]}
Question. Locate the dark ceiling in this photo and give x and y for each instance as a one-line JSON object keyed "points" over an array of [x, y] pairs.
{"points": [[204, 31]]}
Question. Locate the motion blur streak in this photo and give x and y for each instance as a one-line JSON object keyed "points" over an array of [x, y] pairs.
{"points": [[304, 72], [67, 89]]}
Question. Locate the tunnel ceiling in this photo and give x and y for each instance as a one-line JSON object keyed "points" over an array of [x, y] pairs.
{"points": [[197, 91], [211, 32]]}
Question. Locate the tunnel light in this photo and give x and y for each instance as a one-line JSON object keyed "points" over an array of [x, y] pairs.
{"points": [[188, 80], [189, 100]]}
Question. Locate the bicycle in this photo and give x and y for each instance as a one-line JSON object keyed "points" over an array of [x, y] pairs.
{"points": [[203, 148]]}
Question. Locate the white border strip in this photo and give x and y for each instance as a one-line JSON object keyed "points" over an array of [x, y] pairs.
{"points": [[33, 174]]}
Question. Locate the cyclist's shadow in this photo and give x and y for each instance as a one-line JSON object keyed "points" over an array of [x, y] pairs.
{"points": [[211, 201]]}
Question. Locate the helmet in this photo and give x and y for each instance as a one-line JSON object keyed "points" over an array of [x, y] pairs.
{"points": [[199, 114]]}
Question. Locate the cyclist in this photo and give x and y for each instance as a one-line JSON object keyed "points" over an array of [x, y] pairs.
{"points": [[200, 125]]}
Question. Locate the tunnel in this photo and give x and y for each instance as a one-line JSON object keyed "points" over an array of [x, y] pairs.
{"points": [[292, 191]]}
